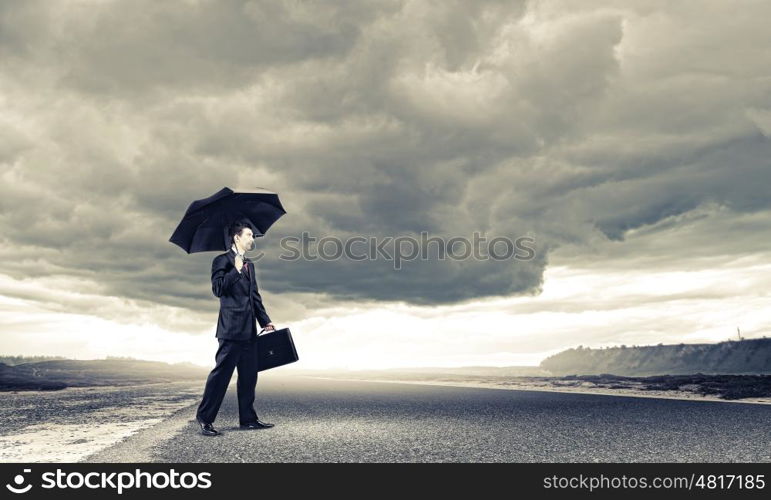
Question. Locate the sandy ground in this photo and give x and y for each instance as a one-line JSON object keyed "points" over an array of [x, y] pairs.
{"points": [[579, 387], [71, 424]]}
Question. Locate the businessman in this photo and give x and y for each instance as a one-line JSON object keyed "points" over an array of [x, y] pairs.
{"points": [[234, 282]]}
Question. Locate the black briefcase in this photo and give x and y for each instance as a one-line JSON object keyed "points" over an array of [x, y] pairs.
{"points": [[274, 349]]}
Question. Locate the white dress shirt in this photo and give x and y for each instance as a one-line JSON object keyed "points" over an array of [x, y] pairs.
{"points": [[235, 251]]}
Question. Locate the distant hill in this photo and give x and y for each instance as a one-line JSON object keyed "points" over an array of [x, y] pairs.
{"points": [[750, 356], [17, 360], [58, 374]]}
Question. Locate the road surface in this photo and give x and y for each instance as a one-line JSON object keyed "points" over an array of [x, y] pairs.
{"points": [[320, 420]]}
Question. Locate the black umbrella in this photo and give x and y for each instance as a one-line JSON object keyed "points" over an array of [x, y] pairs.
{"points": [[204, 227]]}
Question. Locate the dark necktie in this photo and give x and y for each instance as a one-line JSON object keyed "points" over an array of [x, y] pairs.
{"points": [[245, 268]]}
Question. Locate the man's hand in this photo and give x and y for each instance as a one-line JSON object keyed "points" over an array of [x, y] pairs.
{"points": [[239, 263], [269, 327]]}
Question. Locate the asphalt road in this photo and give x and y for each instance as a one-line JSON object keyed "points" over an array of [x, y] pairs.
{"points": [[342, 421]]}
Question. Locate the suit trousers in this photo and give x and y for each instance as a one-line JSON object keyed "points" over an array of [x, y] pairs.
{"points": [[231, 354]]}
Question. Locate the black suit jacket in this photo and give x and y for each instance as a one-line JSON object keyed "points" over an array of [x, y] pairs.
{"points": [[240, 301]]}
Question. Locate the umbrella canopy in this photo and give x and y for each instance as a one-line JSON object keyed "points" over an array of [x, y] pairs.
{"points": [[204, 226]]}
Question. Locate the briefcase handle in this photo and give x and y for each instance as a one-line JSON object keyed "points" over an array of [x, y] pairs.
{"points": [[275, 329]]}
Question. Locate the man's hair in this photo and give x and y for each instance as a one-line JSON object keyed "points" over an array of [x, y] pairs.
{"points": [[236, 228]]}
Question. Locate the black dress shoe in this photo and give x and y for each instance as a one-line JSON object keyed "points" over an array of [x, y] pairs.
{"points": [[208, 429], [257, 424]]}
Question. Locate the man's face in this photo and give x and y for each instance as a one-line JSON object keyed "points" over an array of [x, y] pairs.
{"points": [[246, 239]]}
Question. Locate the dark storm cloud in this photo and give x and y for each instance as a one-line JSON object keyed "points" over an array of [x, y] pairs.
{"points": [[106, 47], [552, 119]]}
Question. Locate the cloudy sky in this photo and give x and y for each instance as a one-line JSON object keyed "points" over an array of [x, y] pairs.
{"points": [[630, 140]]}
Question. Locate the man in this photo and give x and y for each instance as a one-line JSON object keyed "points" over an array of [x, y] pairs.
{"points": [[234, 282]]}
